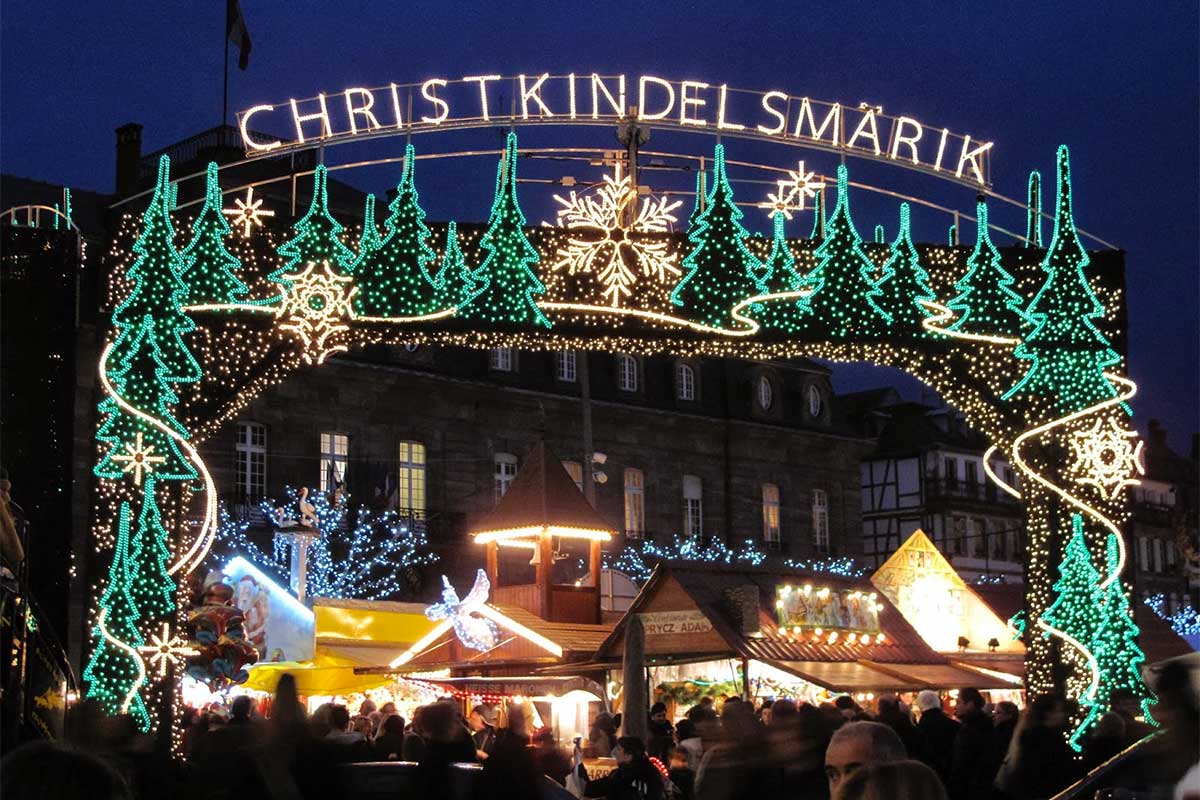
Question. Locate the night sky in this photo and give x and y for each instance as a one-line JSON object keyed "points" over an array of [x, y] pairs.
{"points": [[1116, 82]]}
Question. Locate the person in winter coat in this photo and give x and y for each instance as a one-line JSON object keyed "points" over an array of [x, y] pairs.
{"points": [[937, 734], [972, 762], [662, 734], [1045, 764], [635, 778]]}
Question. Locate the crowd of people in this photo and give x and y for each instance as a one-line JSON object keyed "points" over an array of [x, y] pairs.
{"points": [[728, 749]]}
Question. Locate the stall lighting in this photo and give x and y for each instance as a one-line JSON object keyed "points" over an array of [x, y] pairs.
{"points": [[535, 531]]}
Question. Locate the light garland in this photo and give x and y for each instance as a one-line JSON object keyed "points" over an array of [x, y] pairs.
{"points": [[904, 285], [1185, 621]]}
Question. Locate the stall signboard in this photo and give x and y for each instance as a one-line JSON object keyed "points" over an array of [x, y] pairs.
{"points": [[829, 609], [662, 623], [278, 625]]}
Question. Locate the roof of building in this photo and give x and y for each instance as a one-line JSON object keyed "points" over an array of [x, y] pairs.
{"points": [[89, 209], [542, 494], [911, 429]]}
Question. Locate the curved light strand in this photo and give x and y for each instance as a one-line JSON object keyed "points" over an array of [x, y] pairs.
{"points": [[117, 643]]}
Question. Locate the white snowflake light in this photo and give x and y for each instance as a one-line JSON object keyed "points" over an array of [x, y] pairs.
{"points": [[139, 458], [317, 306], [780, 202], [248, 213], [1106, 458], [601, 243], [803, 185], [165, 650]]}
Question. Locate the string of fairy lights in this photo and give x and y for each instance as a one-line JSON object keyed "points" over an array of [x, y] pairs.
{"points": [[1037, 377]]}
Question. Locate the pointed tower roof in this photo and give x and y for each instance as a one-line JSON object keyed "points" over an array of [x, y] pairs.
{"points": [[542, 497]]}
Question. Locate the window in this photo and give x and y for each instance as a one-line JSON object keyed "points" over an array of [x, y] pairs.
{"points": [[1009, 478], [950, 469], [1158, 555], [506, 470], [1143, 553], [502, 359], [575, 470], [693, 507], [1170, 546], [335, 451], [766, 395], [411, 490], [685, 382], [627, 373], [251, 460], [814, 401], [972, 474], [635, 503], [820, 520], [770, 515], [564, 365]]}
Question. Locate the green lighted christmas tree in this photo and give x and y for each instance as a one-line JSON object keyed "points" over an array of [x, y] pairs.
{"points": [[986, 303], [698, 208], [112, 672], [150, 587], [1074, 608], [505, 283], [211, 277], [134, 446], [1115, 645], [318, 238], [720, 268], [158, 290], [1068, 352], [453, 280], [1033, 211], [818, 229], [368, 240], [904, 283], [781, 276], [844, 299], [394, 279]]}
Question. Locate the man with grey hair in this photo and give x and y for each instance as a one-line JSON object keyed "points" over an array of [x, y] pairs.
{"points": [[860, 744]]}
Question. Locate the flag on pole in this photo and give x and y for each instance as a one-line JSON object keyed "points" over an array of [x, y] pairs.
{"points": [[235, 30]]}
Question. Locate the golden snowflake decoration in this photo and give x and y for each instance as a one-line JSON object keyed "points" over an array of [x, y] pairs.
{"points": [[248, 213], [1106, 457], [166, 649], [601, 242], [793, 192], [316, 307], [140, 458]]}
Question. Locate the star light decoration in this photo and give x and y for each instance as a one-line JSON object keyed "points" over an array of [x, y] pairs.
{"points": [[249, 212], [477, 633], [1106, 458], [165, 650], [601, 242], [317, 306], [139, 458], [792, 193]]}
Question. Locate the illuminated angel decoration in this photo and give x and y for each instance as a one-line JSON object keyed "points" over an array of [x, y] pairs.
{"points": [[316, 305], [477, 633], [1106, 458], [599, 240]]}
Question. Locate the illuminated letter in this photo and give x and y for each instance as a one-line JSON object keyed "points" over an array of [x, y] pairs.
{"points": [[250, 143], [532, 94], [973, 157], [427, 93], [642, 97], [685, 101], [775, 113], [365, 110], [483, 79], [874, 134], [721, 123], [571, 84], [898, 137], [834, 116], [618, 105], [322, 115], [937, 165], [396, 107]]}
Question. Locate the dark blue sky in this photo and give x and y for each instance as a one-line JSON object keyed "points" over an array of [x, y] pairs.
{"points": [[1117, 82]]}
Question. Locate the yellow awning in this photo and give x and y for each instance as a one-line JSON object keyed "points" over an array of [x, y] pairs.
{"points": [[324, 675]]}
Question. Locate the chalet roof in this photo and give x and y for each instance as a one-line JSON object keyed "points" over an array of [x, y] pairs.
{"points": [[706, 586], [542, 494]]}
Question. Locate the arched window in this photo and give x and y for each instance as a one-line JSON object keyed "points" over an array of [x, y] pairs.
{"points": [[814, 401], [765, 393], [627, 373]]}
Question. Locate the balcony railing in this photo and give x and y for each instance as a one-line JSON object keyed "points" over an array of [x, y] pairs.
{"points": [[941, 488]]}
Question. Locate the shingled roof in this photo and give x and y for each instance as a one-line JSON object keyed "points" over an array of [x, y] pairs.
{"points": [[541, 495]]}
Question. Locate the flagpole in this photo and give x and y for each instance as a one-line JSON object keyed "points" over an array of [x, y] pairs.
{"points": [[225, 90]]}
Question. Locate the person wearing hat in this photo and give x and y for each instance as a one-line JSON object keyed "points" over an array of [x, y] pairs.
{"points": [[483, 730], [635, 778], [937, 733]]}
